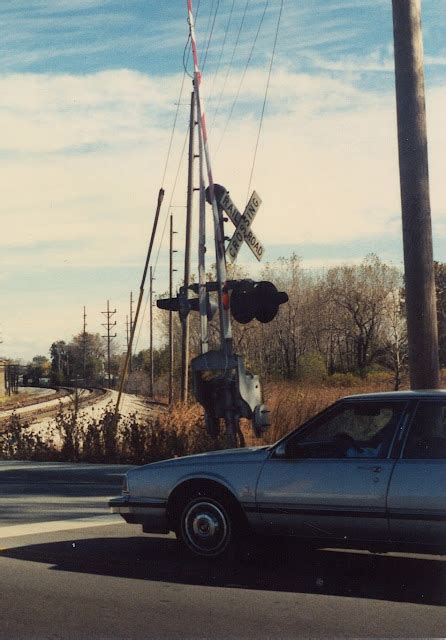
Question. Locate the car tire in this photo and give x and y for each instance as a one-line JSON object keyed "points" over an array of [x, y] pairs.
{"points": [[209, 526]]}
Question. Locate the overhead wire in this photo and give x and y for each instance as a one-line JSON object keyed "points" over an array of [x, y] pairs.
{"points": [[231, 61], [265, 96], [209, 17], [210, 37], [219, 61], [243, 74], [162, 236], [170, 201]]}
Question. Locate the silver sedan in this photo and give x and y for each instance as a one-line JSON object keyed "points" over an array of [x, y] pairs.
{"points": [[368, 472]]}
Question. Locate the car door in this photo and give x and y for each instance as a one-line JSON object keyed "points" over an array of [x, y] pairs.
{"points": [[330, 478], [417, 492]]}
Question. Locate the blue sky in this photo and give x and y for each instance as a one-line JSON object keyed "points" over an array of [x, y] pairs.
{"points": [[89, 91]]}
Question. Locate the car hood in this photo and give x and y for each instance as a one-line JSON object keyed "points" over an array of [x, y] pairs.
{"points": [[225, 455]]}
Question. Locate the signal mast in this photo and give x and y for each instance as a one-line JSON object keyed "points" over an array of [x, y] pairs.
{"points": [[221, 384]]}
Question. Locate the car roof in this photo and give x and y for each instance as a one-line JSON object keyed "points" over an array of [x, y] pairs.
{"points": [[438, 394]]}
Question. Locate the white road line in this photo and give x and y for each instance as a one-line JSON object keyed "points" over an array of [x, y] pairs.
{"points": [[33, 528]]}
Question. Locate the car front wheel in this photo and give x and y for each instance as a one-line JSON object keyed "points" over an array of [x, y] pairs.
{"points": [[207, 527]]}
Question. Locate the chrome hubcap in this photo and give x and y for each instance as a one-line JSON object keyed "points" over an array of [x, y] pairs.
{"points": [[206, 527]]}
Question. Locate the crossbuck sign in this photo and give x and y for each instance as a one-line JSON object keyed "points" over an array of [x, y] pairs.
{"points": [[243, 231]]}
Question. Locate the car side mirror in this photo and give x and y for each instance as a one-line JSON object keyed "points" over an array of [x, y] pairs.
{"points": [[280, 452]]}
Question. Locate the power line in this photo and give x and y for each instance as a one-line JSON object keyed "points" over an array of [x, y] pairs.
{"points": [[161, 242], [231, 61], [265, 96], [170, 202], [219, 61], [243, 74], [210, 36]]}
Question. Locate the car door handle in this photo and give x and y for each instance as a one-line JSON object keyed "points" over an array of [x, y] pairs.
{"points": [[375, 468]]}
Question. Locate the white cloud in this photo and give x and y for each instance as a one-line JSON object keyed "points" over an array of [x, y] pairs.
{"points": [[81, 159]]}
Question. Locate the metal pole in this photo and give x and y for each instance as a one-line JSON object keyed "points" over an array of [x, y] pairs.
{"points": [[225, 318], [138, 307], [151, 333], [171, 312], [190, 192], [204, 331], [231, 420], [415, 203]]}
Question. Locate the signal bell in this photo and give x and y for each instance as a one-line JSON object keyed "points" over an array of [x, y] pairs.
{"points": [[260, 300]]}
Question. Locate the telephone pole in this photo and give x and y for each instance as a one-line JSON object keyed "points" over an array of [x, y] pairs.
{"points": [[140, 297], [187, 259], [109, 324], [131, 327], [415, 201], [84, 348], [171, 270], [151, 332]]}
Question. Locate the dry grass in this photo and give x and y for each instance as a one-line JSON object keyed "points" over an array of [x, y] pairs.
{"points": [[180, 430], [292, 404]]}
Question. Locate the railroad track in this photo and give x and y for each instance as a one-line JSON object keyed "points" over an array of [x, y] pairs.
{"points": [[50, 407]]}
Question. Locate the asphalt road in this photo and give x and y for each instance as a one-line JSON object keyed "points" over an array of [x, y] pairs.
{"points": [[69, 570]]}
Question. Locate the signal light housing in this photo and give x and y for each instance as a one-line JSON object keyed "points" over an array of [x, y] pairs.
{"points": [[184, 305], [260, 300]]}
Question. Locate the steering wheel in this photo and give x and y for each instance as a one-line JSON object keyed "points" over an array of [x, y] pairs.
{"points": [[345, 441]]}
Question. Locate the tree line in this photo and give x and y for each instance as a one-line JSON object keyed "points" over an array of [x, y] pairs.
{"points": [[347, 319]]}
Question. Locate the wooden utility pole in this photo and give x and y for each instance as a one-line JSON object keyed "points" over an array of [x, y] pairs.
{"points": [[131, 325], [414, 180], [138, 306], [84, 348], [109, 337], [190, 192], [171, 270], [151, 333]]}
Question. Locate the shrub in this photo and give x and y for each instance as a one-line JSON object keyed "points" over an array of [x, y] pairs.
{"points": [[312, 368], [166, 433], [17, 442]]}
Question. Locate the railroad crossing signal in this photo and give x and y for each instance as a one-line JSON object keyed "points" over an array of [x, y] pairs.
{"points": [[184, 305], [260, 300], [243, 231]]}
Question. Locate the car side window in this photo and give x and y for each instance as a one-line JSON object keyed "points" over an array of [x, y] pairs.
{"points": [[354, 429], [427, 434]]}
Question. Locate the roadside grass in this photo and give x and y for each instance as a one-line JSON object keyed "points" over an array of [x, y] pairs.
{"points": [[179, 431]]}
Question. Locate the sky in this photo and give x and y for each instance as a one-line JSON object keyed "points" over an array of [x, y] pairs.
{"points": [[90, 93]]}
